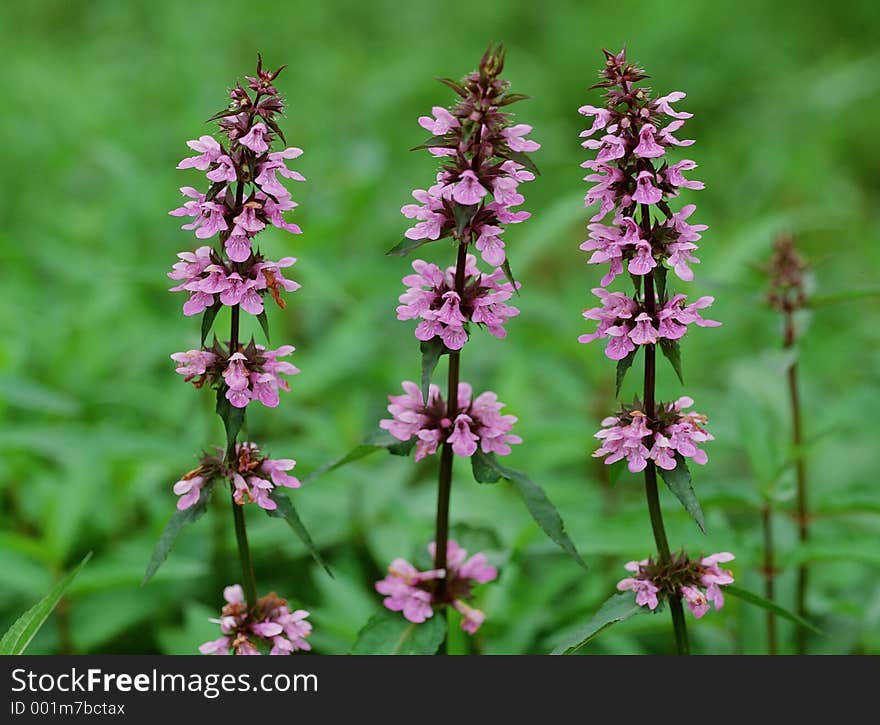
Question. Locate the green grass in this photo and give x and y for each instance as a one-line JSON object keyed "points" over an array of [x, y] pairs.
{"points": [[99, 99]]}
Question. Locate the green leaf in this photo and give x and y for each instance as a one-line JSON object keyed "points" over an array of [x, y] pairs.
{"points": [[406, 246], [173, 528], [435, 142], [522, 158], [614, 471], [23, 630], [388, 633], [463, 215], [679, 482], [454, 85], [487, 470], [264, 323], [287, 512], [759, 601], [431, 352], [513, 98], [231, 416], [660, 279], [672, 352], [618, 608], [378, 441], [623, 367], [208, 319], [508, 273]]}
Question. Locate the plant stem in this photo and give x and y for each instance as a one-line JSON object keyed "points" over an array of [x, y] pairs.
{"points": [[769, 574], [679, 625], [249, 583], [444, 475], [801, 475]]}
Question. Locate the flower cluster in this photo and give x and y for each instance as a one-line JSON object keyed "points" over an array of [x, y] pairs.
{"points": [[245, 195], [636, 133], [208, 278], [672, 434], [431, 297], [253, 477], [413, 592], [698, 581], [476, 189], [626, 323], [252, 373], [478, 422], [271, 626]]}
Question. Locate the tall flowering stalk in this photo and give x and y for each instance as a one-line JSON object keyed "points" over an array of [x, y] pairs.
{"points": [[788, 295], [475, 195], [635, 182], [243, 195]]}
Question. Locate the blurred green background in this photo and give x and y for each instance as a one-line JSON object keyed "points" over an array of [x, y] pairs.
{"points": [[99, 99]]}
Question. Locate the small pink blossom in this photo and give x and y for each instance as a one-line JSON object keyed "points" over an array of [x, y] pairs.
{"points": [[648, 148], [443, 122], [468, 190], [514, 135], [209, 151], [255, 139], [646, 192]]}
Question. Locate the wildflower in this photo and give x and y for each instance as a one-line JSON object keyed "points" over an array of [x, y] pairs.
{"points": [[413, 592]]}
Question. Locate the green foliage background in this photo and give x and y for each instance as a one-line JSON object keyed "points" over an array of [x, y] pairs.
{"points": [[99, 98]]}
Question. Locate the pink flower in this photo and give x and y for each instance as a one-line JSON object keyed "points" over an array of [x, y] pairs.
{"points": [[430, 214], [225, 171], [696, 601], [189, 490], [601, 116], [277, 471], [255, 139], [490, 245], [646, 192], [646, 591], [193, 363], [662, 104], [468, 190], [442, 124], [462, 440], [209, 151], [238, 247], [643, 333], [648, 148], [666, 136], [514, 137], [674, 176]]}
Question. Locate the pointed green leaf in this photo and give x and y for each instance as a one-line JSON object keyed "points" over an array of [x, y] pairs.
{"points": [[622, 367], [660, 279], [435, 142], [264, 323], [406, 246], [23, 629], [513, 98], [617, 608], [454, 85], [522, 158], [508, 273], [287, 512], [672, 351], [232, 417], [208, 319], [431, 352], [487, 470], [463, 215], [770, 606], [378, 441], [388, 633], [679, 482], [173, 528]]}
